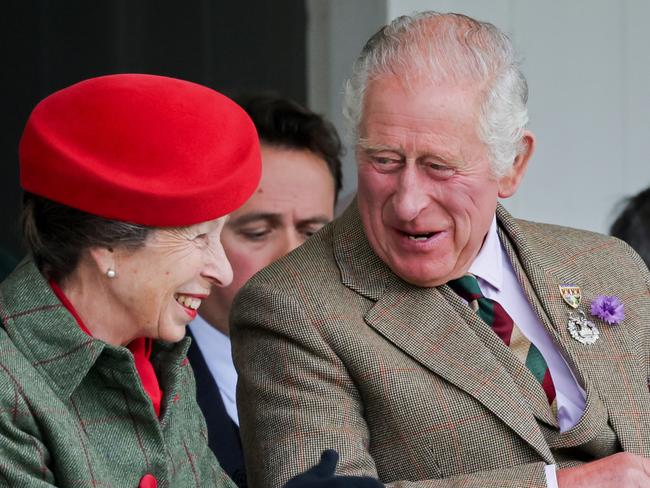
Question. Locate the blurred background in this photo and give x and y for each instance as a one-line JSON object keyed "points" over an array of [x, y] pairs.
{"points": [[587, 63]]}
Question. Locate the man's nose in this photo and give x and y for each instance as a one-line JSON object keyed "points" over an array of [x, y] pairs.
{"points": [[217, 268], [291, 239], [411, 195]]}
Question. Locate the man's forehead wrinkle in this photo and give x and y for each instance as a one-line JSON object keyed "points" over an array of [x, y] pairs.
{"points": [[370, 145], [385, 134]]}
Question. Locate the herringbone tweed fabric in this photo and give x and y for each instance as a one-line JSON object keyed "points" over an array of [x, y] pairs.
{"points": [[408, 384], [73, 412]]}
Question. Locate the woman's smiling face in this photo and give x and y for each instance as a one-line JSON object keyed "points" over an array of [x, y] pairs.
{"points": [[160, 285]]}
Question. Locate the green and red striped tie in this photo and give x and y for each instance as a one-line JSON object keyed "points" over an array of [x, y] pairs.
{"points": [[493, 314]]}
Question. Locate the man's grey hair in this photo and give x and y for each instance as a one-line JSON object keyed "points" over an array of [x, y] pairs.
{"points": [[449, 48]]}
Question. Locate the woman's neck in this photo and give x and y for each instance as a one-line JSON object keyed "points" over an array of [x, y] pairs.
{"points": [[88, 294]]}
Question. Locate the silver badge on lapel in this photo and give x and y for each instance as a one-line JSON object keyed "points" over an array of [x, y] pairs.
{"points": [[581, 329]]}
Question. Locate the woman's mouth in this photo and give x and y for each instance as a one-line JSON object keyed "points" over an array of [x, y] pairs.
{"points": [[189, 303]]}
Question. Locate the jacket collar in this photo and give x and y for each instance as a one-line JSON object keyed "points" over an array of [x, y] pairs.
{"points": [[361, 269], [44, 331]]}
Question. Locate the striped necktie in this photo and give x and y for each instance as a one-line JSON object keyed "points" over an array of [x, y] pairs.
{"points": [[493, 314]]}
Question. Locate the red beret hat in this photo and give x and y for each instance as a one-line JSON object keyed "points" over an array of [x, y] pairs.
{"points": [[146, 149]]}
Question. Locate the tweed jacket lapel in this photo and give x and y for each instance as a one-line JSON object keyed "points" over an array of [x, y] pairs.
{"points": [[432, 326], [592, 364], [361, 269]]}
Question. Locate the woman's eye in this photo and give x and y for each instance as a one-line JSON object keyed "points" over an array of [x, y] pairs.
{"points": [[201, 239]]}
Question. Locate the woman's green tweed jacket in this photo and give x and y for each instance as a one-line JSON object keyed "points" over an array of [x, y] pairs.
{"points": [[73, 412]]}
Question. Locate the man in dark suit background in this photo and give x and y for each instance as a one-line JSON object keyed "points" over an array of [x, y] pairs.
{"points": [[428, 336], [301, 178]]}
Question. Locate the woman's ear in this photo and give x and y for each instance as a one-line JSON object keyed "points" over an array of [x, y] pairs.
{"points": [[509, 183], [104, 258]]}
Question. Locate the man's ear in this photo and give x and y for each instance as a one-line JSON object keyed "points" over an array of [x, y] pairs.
{"points": [[509, 182], [103, 257]]}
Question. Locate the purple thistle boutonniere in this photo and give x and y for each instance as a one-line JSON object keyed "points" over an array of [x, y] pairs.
{"points": [[608, 308]]}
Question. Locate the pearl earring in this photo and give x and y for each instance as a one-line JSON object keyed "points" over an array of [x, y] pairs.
{"points": [[110, 272]]}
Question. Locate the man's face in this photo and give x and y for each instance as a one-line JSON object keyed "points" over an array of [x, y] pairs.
{"points": [[294, 200], [425, 194]]}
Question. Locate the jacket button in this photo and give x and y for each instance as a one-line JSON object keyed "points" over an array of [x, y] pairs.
{"points": [[148, 481]]}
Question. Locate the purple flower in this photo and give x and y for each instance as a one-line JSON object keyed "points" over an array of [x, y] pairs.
{"points": [[608, 308]]}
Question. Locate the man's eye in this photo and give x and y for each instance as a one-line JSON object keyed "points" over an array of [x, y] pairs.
{"points": [[310, 231], [385, 164], [255, 234], [384, 161], [440, 170]]}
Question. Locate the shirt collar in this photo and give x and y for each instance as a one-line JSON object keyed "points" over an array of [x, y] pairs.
{"points": [[216, 351], [214, 344], [488, 263]]}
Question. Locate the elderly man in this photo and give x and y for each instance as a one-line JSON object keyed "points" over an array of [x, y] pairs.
{"points": [[427, 335]]}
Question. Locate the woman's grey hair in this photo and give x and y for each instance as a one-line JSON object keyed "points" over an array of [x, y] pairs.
{"points": [[449, 48], [56, 235]]}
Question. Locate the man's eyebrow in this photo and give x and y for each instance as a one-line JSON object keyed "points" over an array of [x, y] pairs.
{"points": [[317, 219], [254, 217], [368, 146]]}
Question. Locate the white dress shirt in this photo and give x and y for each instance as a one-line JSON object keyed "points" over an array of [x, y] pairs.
{"points": [[497, 280], [215, 347]]}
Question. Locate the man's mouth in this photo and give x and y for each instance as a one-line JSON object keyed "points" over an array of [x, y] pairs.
{"points": [[420, 240], [420, 237]]}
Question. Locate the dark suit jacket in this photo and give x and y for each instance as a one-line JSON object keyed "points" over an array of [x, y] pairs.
{"points": [[408, 384], [223, 433]]}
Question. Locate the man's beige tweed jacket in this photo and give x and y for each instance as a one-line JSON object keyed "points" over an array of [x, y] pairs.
{"points": [[408, 384]]}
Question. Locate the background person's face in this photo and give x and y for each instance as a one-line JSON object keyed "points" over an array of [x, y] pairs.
{"points": [[160, 285], [426, 195], [295, 199]]}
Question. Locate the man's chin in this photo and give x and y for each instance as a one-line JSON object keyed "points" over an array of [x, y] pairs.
{"points": [[422, 277]]}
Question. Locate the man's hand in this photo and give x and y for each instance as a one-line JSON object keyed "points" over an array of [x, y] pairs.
{"points": [[621, 470], [323, 475]]}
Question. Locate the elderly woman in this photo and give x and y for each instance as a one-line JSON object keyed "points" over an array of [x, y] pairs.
{"points": [[128, 180]]}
